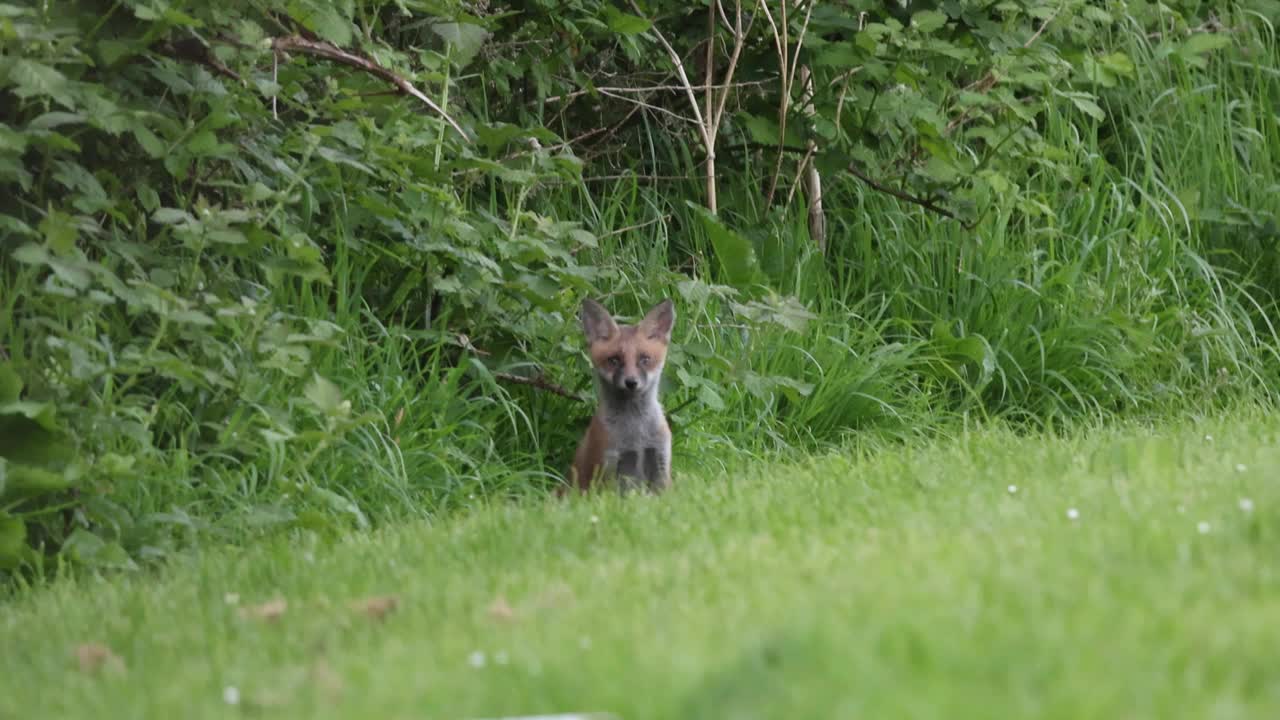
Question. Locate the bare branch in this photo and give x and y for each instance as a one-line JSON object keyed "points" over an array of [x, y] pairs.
{"points": [[684, 77], [637, 226], [648, 106], [329, 51], [922, 202], [643, 90], [540, 383], [194, 50]]}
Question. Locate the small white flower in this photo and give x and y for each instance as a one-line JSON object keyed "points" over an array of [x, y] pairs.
{"points": [[231, 598], [1246, 504], [476, 659], [1240, 467], [594, 520], [1073, 514], [500, 657], [231, 695], [1013, 489], [1203, 527], [1208, 438]]}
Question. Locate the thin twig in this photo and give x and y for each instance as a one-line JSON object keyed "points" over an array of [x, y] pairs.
{"points": [[652, 88], [194, 50], [540, 383], [684, 77], [650, 106], [629, 228], [922, 202], [329, 51]]}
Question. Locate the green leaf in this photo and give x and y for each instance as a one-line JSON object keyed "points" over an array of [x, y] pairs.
{"points": [[340, 503], [762, 129], [202, 143], [1118, 63], [736, 254], [464, 39], [624, 23], [51, 120], [1204, 42], [13, 541], [60, 232], [25, 481], [1088, 107], [33, 79], [41, 414], [323, 19], [324, 395], [10, 384], [171, 216], [928, 21], [151, 144], [88, 549]]}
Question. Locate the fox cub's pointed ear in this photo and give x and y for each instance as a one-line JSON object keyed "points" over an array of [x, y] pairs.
{"points": [[597, 323], [658, 323]]}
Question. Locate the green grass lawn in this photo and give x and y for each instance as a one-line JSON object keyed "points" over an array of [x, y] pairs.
{"points": [[945, 581]]}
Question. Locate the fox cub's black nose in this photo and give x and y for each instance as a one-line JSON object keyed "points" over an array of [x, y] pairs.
{"points": [[631, 383]]}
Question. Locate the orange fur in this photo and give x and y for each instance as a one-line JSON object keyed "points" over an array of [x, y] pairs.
{"points": [[629, 350]]}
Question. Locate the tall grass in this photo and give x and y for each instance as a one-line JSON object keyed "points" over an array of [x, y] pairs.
{"points": [[1144, 286]]}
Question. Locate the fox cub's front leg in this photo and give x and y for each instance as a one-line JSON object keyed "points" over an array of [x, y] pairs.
{"points": [[657, 468]]}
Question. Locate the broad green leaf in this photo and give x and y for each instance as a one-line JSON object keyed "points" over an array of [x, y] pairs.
{"points": [[1088, 106], [202, 143], [465, 40], [51, 120], [340, 503], [1204, 42], [324, 395], [708, 396], [151, 144], [624, 23], [322, 18], [59, 230], [762, 129], [11, 224], [34, 79], [171, 216], [88, 549], [1118, 63], [25, 481], [10, 384], [13, 541], [40, 413], [735, 253], [928, 21]]}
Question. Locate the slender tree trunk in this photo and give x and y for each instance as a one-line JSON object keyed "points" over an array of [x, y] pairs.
{"points": [[812, 178]]}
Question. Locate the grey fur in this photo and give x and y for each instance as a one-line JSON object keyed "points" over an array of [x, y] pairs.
{"points": [[639, 452]]}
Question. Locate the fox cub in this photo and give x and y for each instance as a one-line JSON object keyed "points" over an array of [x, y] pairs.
{"points": [[628, 439]]}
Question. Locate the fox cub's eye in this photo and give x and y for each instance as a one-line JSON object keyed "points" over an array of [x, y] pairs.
{"points": [[644, 361], [615, 361]]}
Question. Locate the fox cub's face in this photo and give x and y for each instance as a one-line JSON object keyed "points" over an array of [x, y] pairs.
{"points": [[628, 358]]}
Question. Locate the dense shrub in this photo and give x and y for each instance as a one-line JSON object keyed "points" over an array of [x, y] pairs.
{"points": [[308, 264]]}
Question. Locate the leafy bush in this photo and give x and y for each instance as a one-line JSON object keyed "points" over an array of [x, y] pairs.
{"points": [[317, 265]]}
